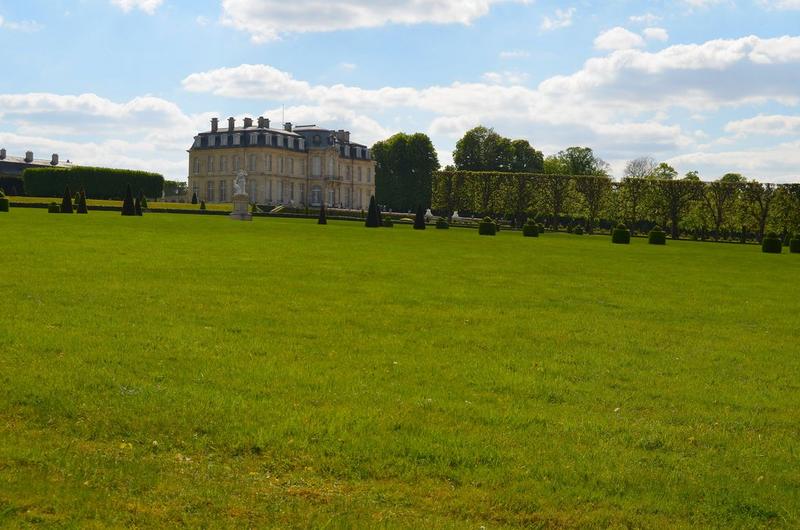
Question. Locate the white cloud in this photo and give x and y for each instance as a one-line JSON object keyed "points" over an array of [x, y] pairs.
{"points": [[506, 78], [784, 5], [514, 54], [562, 18], [659, 34], [202, 21], [349, 67], [27, 26], [618, 38], [267, 20], [773, 125], [148, 6], [648, 19]]}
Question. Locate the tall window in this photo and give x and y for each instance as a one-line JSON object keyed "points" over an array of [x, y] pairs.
{"points": [[331, 197], [252, 166], [268, 163], [195, 188], [210, 191], [316, 167], [235, 163], [347, 193], [223, 191], [223, 164], [359, 173], [303, 193], [196, 166], [331, 167], [291, 190], [316, 196], [291, 166], [210, 165], [253, 190], [280, 165]]}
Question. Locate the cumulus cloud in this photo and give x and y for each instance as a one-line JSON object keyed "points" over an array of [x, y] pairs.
{"points": [[618, 38], [267, 20], [659, 34], [562, 18], [773, 125], [27, 26], [647, 19], [148, 6]]}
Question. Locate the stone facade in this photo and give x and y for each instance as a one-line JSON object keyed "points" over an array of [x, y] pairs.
{"points": [[298, 166]]}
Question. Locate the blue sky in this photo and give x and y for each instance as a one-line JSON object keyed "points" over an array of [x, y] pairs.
{"points": [[707, 85]]}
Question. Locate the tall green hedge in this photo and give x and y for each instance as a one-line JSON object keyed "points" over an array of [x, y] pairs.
{"points": [[99, 183]]}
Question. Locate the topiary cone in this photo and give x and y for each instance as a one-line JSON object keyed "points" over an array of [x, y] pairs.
{"points": [[419, 219], [137, 207], [128, 207], [323, 215], [66, 202], [82, 203], [373, 218]]}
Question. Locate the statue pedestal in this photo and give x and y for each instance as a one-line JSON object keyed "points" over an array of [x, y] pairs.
{"points": [[241, 208]]}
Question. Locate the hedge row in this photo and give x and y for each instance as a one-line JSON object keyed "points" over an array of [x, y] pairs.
{"points": [[99, 183]]}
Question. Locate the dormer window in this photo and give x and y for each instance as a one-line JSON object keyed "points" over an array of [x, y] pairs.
{"points": [[317, 140]]}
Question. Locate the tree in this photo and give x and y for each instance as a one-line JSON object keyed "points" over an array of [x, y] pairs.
{"points": [[373, 216], [593, 190], [448, 191], [674, 197], [758, 199], [419, 219], [634, 188], [718, 198], [66, 201], [194, 197], [323, 215], [128, 208], [581, 161], [404, 170], [526, 159], [82, 203], [174, 188]]}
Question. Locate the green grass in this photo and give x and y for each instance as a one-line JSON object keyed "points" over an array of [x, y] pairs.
{"points": [[151, 205], [192, 371]]}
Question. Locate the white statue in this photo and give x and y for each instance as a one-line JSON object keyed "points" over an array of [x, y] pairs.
{"points": [[240, 184], [455, 216], [428, 215]]}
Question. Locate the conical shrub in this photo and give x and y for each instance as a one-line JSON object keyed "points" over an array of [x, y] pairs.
{"points": [[323, 215], [194, 197], [142, 200], [66, 201], [419, 219], [137, 207], [128, 207], [82, 203], [373, 216], [772, 244], [202, 205], [4, 202]]}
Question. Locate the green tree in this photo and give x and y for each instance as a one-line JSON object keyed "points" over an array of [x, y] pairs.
{"points": [[404, 170]]}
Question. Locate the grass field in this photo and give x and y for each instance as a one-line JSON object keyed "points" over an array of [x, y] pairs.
{"points": [[151, 205], [177, 370]]}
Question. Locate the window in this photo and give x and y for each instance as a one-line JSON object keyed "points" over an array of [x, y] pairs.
{"points": [[291, 166], [280, 165], [316, 167], [369, 179], [253, 190], [196, 166], [303, 168], [331, 167], [316, 196], [210, 191], [223, 191], [269, 191], [236, 163], [268, 163], [223, 164], [195, 188], [291, 191], [252, 166], [302, 193], [359, 174], [331, 197], [210, 165], [347, 193]]}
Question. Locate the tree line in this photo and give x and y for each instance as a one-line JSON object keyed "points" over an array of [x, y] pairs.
{"points": [[509, 179]]}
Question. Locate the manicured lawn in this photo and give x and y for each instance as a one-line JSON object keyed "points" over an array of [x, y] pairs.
{"points": [[152, 205], [192, 371]]}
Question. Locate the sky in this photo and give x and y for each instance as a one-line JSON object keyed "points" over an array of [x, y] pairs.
{"points": [[704, 85]]}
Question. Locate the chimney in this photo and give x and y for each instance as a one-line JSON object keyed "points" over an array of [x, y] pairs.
{"points": [[266, 123], [231, 124], [261, 122], [214, 124], [287, 126], [248, 122], [29, 156], [54, 160], [2, 154]]}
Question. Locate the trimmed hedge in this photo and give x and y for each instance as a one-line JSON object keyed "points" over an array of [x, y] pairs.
{"points": [[4, 203], [621, 235], [66, 201], [657, 236], [530, 230], [373, 216], [794, 245], [54, 208], [487, 227], [12, 185], [442, 224], [772, 244], [99, 183], [578, 231], [419, 219], [387, 222], [321, 220]]}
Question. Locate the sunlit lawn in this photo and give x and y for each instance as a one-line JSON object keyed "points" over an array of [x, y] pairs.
{"points": [[176, 370]]}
